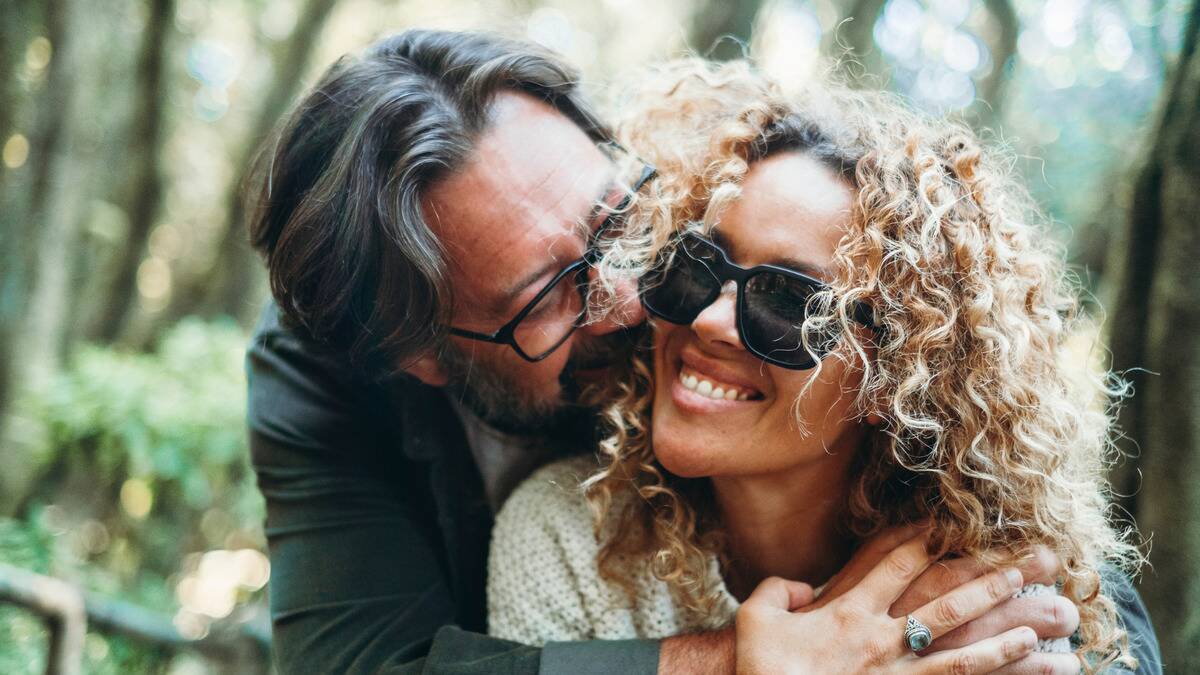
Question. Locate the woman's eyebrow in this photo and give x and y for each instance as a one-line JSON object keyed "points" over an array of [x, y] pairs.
{"points": [[801, 266]]}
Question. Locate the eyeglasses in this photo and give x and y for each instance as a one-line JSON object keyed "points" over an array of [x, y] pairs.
{"points": [[545, 323], [772, 302]]}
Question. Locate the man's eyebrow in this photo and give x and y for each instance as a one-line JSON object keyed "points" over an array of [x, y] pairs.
{"points": [[598, 205], [801, 266]]}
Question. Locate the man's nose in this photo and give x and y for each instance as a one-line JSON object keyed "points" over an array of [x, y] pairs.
{"points": [[624, 311]]}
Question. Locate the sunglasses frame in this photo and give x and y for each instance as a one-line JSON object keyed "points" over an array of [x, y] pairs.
{"points": [[724, 270]]}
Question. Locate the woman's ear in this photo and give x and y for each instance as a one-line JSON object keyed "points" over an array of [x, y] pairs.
{"points": [[874, 419], [427, 369]]}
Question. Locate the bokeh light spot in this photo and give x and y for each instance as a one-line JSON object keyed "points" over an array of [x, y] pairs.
{"points": [[154, 278], [38, 53], [136, 498], [16, 151]]}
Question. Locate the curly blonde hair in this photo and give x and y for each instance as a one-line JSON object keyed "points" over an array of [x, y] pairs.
{"points": [[988, 430]]}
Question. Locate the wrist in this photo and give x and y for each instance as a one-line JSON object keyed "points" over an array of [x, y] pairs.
{"points": [[711, 652]]}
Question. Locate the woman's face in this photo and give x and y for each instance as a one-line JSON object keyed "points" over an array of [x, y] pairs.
{"points": [[792, 213]]}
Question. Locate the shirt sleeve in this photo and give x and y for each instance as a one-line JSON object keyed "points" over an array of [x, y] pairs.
{"points": [[357, 583], [357, 580], [1143, 642]]}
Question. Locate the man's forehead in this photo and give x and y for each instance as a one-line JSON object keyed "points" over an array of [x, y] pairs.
{"points": [[515, 205]]}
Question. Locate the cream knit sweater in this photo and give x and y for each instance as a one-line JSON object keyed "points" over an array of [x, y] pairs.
{"points": [[544, 583]]}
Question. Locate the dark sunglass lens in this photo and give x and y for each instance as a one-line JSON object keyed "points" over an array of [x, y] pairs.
{"points": [[774, 312], [678, 288]]}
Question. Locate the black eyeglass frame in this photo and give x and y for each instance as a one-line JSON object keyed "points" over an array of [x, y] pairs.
{"points": [[723, 270], [506, 334]]}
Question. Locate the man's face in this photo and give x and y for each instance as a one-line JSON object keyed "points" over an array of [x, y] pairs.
{"points": [[518, 212]]}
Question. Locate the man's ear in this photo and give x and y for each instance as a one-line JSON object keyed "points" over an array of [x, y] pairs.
{"points": [[428, 370]]}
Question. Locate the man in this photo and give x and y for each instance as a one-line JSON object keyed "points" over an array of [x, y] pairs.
{"points": [[420, 217]]}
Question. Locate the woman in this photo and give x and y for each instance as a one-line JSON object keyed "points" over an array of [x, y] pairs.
{"points": [[858, 324]]}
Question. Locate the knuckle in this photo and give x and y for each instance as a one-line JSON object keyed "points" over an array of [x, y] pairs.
{"points": [[963, 664], [1010, 649], [998, 587], [950, 612], [900, 566], [876, 654]]}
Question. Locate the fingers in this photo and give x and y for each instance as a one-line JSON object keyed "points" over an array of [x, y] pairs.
{"points": [[969, 601], [865, 559], [1039, 566], [775, 593], [1049, 616], [888, 579], [982, 657], [1041, 663]]}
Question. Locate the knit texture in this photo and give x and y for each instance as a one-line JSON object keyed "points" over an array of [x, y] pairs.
{"points": [[544, 582]]}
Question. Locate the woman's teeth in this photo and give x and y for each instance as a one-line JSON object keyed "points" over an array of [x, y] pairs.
{"points": [[710, 389]]}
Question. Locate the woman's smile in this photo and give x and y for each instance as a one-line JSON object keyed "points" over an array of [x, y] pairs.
{"points": [[706, 385]]}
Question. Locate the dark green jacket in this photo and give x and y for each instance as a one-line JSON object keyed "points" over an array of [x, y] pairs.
{"points": [[378, 529]]}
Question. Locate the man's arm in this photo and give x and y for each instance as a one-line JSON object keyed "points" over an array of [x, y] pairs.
{"points": [[1143, 642], [359, 582]]}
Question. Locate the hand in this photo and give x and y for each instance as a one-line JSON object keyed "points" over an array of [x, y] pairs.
{"points": [[854, 633], [1049, 616]]}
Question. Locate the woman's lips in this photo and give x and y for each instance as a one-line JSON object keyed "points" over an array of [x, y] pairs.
{"points": [[702, 384], [716, 373], [701, 390]]}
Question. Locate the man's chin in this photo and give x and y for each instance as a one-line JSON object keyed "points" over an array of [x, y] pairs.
{"points": [[505, 403]]}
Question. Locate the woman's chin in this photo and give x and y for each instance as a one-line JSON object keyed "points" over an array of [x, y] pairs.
{"points": [[682, 459]]}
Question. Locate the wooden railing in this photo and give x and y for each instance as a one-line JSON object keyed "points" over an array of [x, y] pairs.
{"points": [[69, 611]]}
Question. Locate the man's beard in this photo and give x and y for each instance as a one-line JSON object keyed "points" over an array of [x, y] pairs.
{"points": [[500, 400]]}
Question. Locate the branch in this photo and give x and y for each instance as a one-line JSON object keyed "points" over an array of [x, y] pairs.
{"points": [[68, 610], [62, 607]]}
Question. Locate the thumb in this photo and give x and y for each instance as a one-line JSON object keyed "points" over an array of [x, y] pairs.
{"points": [[781, 594]]}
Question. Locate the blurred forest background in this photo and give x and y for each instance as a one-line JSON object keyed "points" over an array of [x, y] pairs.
{"points": [[127, 289]]}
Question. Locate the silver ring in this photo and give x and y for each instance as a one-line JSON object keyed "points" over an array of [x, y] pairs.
{"points": [[917, 635]]}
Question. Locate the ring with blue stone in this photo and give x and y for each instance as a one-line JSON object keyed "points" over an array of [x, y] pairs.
{"points": [[916, 634]]}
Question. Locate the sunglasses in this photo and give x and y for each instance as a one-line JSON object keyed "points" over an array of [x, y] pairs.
{"points": [[772, 302]]}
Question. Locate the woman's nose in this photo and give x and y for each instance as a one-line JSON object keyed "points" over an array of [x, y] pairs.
{"points": [[717, 323]]}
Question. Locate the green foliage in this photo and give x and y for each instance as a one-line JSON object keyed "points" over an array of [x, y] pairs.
{"points": [[147, 465]]}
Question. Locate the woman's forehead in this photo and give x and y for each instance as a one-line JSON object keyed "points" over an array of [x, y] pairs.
{"points": [[791, 207]]}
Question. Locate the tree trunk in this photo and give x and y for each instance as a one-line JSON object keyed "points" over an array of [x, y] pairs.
{"points": [[226, 287], [45, 247], [1156, 340], [990, 89], [722, 30], [15, 32], [147, 183]]}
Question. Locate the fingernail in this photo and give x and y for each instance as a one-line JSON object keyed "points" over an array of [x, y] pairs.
{"points": [[1014, 577], [1028, 638]]}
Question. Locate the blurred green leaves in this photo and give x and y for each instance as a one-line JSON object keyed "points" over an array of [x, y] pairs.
{"points": [[146, 468]]}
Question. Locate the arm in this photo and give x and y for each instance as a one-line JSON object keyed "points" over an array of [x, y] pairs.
{"points": [[358, 583], [1143, 643]]}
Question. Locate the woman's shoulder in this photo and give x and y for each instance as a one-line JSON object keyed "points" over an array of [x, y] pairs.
{"points": [[549, 509], [554, 488]]}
